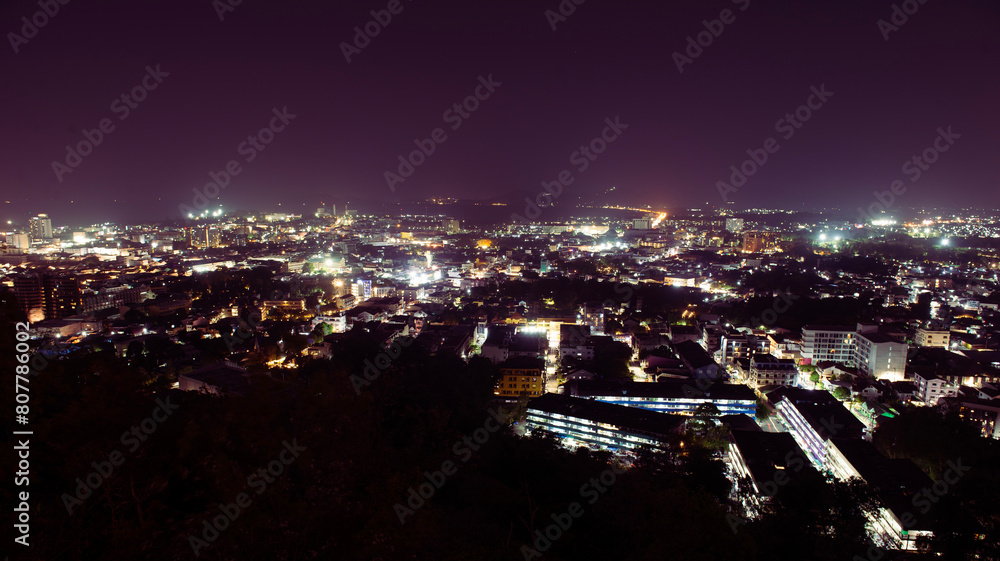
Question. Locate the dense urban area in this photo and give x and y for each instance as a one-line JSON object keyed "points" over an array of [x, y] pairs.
{"points": [[625, 383]]}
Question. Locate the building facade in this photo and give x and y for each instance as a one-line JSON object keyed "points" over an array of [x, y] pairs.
{"points": [[880, 356], [933, 338], [521, 376], [767, 370], [681, 397], [40, 227], [828, 343], [602, 426]]}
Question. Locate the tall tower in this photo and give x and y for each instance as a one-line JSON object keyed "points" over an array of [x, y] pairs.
{"points": [[40, 227]]}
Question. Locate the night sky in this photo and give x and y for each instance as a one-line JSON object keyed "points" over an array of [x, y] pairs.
{"points": [[608, 59]]}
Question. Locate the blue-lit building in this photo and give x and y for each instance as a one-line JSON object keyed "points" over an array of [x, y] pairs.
{"points": [[602, 426], [814, 417], [673, 396]]}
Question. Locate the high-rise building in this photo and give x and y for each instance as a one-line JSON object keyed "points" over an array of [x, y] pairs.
{"points": [[28, 290], [51, 296], [62, 296], [592, 314], [40, 227], [362, 289], [734, 225]]}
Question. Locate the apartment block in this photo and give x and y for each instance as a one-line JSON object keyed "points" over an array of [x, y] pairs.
{"points": [[821, 343]]}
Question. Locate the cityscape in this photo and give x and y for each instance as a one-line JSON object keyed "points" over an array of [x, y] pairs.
{"points": [[502, 283]]}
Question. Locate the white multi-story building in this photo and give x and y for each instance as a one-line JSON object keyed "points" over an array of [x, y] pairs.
{"points": [[19, 241], [880, 356], [828, 343], [813, 417], [930, 388], [767, 370], [933, 338]]}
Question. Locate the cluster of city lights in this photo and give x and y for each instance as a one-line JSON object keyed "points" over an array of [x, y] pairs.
{"points": [[206, 213]]}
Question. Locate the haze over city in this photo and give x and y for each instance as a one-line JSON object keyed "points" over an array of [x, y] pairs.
{"points": [[226, 69]]}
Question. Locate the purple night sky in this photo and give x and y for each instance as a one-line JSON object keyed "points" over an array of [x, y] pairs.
{"points": [[607, 59]]}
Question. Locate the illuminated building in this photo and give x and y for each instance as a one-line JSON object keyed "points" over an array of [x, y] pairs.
{"points": [[601, 426], [28, 290], [766, 370], [828, 343], [40, 227], [880, 356], [814, 417], [521, 376], [62, 296], [669, 396], [899, 485], [756, 242], [933, 338]]}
